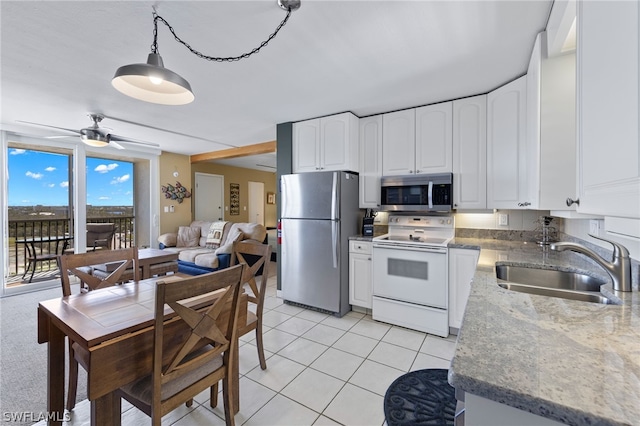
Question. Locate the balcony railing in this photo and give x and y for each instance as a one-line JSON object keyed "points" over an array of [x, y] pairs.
{"points": [[47, 228]]}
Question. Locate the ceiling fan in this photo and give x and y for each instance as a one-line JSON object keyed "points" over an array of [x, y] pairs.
{"points": [[95, 135]]}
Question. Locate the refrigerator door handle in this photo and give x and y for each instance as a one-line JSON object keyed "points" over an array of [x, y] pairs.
{"points": [[334, 197], [334, 241], [283, 199]]}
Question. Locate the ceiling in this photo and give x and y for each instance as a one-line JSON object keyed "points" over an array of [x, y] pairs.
{"points": [[367, 57]]}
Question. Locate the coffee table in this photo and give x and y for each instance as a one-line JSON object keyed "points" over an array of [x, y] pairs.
{"points": [[152, 262]]}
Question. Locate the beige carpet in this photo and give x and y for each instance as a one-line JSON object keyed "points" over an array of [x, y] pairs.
{"points": [[23, 362]]}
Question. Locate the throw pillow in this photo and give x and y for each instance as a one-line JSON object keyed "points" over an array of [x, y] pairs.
{"points": [[188, 236], [215, 234], [234, 235], [169, 240]]}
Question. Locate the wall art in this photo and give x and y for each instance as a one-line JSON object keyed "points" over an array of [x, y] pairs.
{"points": [[234, 199], [176, 192]]}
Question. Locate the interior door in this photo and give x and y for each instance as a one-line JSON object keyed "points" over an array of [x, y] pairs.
{"points": [[256, 202], [209, 197]]}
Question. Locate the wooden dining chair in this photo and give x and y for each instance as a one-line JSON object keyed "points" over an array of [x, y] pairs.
{"points": [[187, 363], [81, 265], [260, 255]]}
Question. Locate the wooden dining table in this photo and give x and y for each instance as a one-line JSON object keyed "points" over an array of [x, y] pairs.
{"points": [[113, 331]]}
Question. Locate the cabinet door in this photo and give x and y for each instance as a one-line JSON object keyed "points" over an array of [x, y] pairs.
{"points": [[334, 148], [370, 161], [398, 143], [306, 146], [360, 283], [434, 151], [462, 268], [506, 147], [608, 84], [470, 153]]}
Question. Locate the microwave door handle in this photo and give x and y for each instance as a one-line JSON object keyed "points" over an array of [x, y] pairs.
{"points": [[430, 194]]}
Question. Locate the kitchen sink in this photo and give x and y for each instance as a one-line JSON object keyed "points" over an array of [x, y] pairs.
{"points": [[553, 283]]}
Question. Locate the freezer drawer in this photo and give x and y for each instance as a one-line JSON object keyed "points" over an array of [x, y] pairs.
{"points": [[416, 317], [312, 263]]}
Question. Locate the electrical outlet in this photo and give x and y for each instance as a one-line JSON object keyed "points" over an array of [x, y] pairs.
{"points": [[594, 227], [166, 209], [172, 209], [503, 219]]}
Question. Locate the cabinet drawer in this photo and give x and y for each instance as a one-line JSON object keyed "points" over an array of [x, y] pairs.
{"points": [[362, 247]]}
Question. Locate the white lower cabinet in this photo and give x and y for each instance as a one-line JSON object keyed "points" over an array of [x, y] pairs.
{"points": [[462, 267], [360, 278], [483, 412]]}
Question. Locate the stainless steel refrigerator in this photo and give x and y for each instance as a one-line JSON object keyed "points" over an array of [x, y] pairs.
{"points": [[319, 212]]}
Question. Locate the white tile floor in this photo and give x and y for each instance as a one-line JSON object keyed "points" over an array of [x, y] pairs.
{"points": [[321, 370]]}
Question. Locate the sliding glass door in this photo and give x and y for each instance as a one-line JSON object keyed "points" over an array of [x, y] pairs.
{"points": [[52, 189]]}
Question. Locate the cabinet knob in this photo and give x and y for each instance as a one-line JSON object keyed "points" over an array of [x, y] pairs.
{"points": [[571, 201], [525, 204], [417, 171], [410, 171]]}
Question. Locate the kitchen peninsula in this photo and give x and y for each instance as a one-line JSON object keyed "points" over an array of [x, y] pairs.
{"points": [[545, 360]]}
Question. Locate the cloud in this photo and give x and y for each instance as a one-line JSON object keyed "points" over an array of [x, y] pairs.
{"points": [[64, 184], [105, 168], [51, 185], [50, 169], [34, 175], [18, 151], [120, 179], [104, 198]]}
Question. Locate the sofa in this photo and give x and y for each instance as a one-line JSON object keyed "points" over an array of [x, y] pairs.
{"points": [[205, 247]]}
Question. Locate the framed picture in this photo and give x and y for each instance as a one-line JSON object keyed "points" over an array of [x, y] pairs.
{"points": [[271, 198], [234, 197]]}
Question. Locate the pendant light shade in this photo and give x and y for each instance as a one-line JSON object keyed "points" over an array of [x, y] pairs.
{"points": [[152, 82]]}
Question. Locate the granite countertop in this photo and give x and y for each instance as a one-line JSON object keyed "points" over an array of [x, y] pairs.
{"points": [[574, 362]]}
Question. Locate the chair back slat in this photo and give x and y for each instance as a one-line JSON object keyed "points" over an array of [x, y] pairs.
{"points": [[240, 253], [76, 264], [213, 329]]}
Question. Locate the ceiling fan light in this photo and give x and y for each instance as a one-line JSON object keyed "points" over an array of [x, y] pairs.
{"points": [[94, 138], [152, 82]]}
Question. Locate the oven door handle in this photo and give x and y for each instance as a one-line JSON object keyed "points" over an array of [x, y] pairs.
{"points": [[400, 246], [430, 194]]}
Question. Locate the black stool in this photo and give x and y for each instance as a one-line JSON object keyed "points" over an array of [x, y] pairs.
{"points": [[422, 397]]}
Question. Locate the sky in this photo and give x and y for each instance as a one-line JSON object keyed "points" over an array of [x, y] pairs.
{"points": [[42, 178]]}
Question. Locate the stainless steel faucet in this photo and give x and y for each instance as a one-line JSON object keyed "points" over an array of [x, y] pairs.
{"points": [[619, 269]]}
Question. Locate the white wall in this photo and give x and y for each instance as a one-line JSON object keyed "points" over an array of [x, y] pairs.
{"points": [[580, 228], [517, 220]]}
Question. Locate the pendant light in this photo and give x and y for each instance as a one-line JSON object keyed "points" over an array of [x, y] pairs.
{"points": [[152, 82]]}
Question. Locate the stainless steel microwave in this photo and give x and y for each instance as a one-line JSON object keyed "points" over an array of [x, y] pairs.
{"points": [[417, 193]]}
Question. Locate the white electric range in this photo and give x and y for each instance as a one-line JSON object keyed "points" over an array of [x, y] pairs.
{"points": [[411, 273]]}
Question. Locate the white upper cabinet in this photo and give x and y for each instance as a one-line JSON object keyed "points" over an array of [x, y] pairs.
{"points": [[418, 141], [327, 143], [608, 108], [370, 161], [507, 147], [470, 153], [398, 142], [306, 146], [551, 128], [434, 141]]}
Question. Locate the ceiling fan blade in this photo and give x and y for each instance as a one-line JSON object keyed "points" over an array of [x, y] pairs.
{"points": [[132, 141], [49, 126], [115, 144], [59, 137]]}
